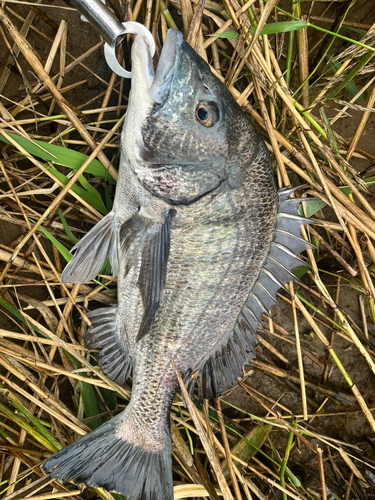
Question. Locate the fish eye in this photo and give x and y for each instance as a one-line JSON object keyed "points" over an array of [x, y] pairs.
{"points": [[207, 113]]}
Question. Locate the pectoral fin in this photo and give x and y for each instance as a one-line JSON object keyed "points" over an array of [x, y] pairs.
{"points": [[154, 271], [152, 240], [92, 250]]}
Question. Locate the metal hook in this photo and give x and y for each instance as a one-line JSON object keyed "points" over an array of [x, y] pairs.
{"points": [[130, 28], [112, 30]]}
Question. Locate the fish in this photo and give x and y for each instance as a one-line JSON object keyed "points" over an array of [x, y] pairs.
{"points": [[200, 240]]}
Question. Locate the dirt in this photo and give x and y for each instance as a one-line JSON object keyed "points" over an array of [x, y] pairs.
{"points": [[347, 424]]}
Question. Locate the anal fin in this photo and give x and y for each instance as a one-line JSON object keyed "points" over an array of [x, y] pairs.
{"points": [[113, 358]]}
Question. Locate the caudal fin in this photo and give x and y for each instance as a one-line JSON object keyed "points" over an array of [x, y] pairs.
{"points": [[90, 252], [101, 459]]}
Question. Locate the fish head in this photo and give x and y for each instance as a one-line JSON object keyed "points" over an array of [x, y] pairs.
{"points": [[188, 128]]}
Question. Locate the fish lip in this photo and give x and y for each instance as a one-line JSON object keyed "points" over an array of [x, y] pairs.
{"points": [[142, 70], [159, 83], [166, 67]]}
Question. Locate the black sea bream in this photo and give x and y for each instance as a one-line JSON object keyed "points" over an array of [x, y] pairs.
{"points": [[200, 240]]}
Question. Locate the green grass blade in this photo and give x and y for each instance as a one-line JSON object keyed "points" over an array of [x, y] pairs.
{"points": [[91, 199], [246, 448], [117, 496], [106, 268], [310, 118], [35, 421], [187, 432], [167, 15], [350, 87], [16, 313], [331, 135], [62, 156], [88, 397], [94, 193], [311, 207], [67, 228], [286, 458], [309, 77], [20, 477], [109, 398], [365, 59], [356, 30], [89, 402], [60, 247], [108, 199], [226, 34], [6, 412], [268, 29], [318, 28]]}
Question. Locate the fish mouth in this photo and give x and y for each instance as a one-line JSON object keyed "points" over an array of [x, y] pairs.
{"points": [[159, 83]]}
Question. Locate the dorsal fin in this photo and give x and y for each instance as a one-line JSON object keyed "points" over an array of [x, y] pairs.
{"points": [[225, 365]]}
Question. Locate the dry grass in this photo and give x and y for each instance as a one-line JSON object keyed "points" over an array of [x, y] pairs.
{"points": [[298, 106]]}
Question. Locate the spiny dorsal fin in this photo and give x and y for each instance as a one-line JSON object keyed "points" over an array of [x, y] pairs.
{"points": [[216, 375]]}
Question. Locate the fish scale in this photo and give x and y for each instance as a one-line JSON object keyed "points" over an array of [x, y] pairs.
{"points": [[201, 242]]}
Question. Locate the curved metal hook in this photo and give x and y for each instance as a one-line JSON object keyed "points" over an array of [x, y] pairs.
{"points": [[130, 28]]}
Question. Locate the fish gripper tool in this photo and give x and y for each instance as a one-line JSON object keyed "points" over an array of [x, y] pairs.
{"points": [[112, 30]]}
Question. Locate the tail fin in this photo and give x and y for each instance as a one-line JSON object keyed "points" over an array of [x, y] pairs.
{"points": [[100, 242], [102, 459]]}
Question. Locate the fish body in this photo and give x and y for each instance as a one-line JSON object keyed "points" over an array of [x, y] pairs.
{"points": [[195, 238]]}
